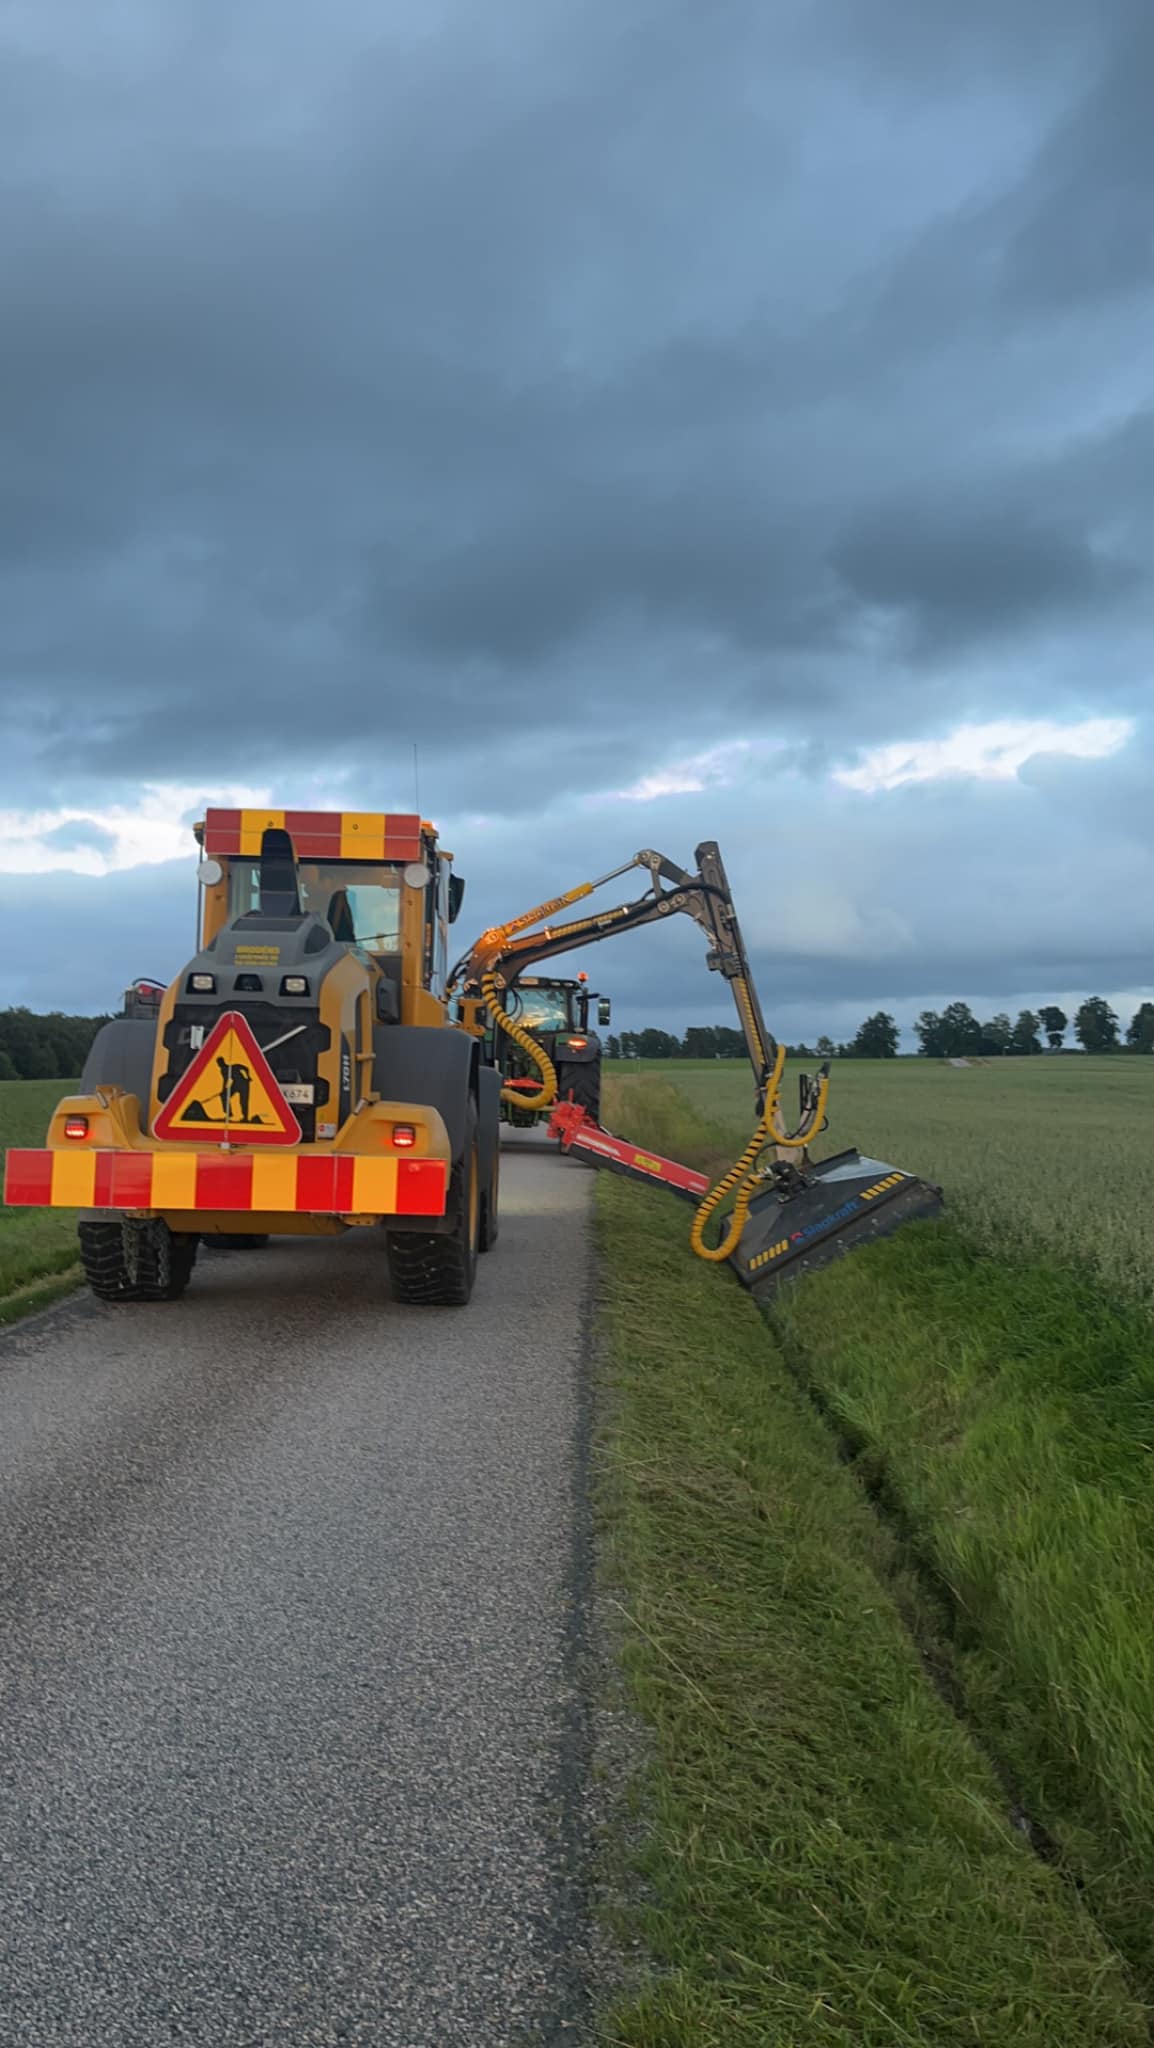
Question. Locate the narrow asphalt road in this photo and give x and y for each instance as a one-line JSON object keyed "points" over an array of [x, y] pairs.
{"points": [[290, 1598]]}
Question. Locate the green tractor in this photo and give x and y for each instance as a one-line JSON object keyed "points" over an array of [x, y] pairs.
{"points": [[557, 1014]]}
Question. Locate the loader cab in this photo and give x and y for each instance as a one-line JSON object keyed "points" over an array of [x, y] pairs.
{"points": [[380, 881]]}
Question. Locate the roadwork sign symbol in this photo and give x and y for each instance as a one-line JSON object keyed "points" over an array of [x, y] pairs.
{"points": [[229, 1093]]}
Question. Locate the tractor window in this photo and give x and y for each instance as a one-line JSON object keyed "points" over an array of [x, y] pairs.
{"points": [[543, 1009], [361, 903]]}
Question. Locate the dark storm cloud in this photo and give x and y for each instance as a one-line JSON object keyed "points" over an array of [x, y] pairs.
{"points": [[405, 364], [570, 391]]}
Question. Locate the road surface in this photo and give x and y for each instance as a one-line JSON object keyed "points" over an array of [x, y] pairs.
{"points": [[290, 1603]]}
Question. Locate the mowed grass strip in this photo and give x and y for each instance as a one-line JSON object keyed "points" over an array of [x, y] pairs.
{"points": [[34, 1243], [1007, 1412], [827, 1858], [1003, 1408]]}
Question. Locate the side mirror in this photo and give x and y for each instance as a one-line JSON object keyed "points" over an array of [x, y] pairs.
{"points": [[604, 1011], [456, 896]]}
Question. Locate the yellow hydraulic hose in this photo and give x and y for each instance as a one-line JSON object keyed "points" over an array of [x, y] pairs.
{"points": [[743, 1174], [547, 1092]]}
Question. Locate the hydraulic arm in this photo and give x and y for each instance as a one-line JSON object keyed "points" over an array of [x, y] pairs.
{"points": [[505, 951]]}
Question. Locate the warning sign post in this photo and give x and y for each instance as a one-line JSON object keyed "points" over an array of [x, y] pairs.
{"points": [[229, 1093]]}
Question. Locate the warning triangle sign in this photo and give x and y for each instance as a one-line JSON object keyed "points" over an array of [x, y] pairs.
{"points": [[229, 1094]]}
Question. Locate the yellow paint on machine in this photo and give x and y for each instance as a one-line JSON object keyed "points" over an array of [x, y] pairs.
{"points": [[363, 835], [253, 826], [880, 1187], [375, 1185], [774, 1252], [174, 1180], [274, 1181], [73, 1180]]}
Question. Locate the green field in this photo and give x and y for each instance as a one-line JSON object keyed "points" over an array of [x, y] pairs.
{"points": [[1049, 1154], [37, 1246], [979, 1439]]}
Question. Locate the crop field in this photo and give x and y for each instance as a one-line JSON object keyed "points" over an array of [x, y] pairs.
{"points": [[37, 1246], [981, 1391], [1051, 1154]]}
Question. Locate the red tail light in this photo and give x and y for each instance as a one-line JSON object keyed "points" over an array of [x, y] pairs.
{"points": [[76, 1127], [404, 1136], [578, 1044]]}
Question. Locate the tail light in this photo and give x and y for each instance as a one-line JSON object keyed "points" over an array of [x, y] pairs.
{"points": [[577, 1044], [404, 1136], [76, 1126]]}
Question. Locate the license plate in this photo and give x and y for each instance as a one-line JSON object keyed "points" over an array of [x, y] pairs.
{"points": [[297, 1091]]}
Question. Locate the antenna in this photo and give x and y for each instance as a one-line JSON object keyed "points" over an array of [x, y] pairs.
{"points": [[416, 780]]}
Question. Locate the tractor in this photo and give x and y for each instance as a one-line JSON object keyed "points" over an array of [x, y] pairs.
{"points": [[556, 1014]]}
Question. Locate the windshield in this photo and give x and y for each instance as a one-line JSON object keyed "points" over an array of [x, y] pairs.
{"points": [[362, 904], [544, 1009]]}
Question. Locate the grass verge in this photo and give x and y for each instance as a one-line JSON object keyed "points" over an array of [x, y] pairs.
{"points": [[826, 1857], [1006, 1412], [37, 1246], [1002, 1410]]}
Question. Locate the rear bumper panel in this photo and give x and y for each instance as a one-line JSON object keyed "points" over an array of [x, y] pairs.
{"points": [[321, 1184]]}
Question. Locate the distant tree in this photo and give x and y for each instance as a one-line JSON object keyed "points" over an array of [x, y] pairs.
{"points": [[1025, 1035], [877, 1038], [825, 1048], [7, 1067], [700, 1042], [995, 1036], [800, 1052], [963, 1031], [613, 1047], [1096, 1026], [1140, 1030], [629, 1045], [931, 1035], [1054, 1022], [657, 1045]]}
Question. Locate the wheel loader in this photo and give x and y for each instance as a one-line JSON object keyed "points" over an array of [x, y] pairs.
{"points": [[302, 1075], [556, 1013], [790, 1213]]}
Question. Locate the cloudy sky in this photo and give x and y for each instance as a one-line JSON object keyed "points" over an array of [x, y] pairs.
{"points": [[676, 420]]}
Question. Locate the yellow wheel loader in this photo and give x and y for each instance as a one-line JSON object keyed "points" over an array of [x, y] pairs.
{"points": [[784, 1212], [302, 1075]]}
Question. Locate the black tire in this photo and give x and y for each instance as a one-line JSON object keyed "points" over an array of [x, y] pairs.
{"points": [[128, 1261], [438, 1271], [491, 1203], [105, 1266], [237, 1241], [159, 1262], [582, 1084]]}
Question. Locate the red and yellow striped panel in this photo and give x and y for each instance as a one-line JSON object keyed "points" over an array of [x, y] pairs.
{"points": [[322, 1183], [318, 835]]}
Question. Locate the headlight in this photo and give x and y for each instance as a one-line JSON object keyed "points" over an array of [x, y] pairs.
{"points": [[294, 985], [202, 984]]}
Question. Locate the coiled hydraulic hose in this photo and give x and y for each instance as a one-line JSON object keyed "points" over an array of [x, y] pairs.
{"points": [[547, 1093], [743, 1174]]}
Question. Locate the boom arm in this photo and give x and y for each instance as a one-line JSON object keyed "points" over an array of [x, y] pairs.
{"points": [[505, 951]]}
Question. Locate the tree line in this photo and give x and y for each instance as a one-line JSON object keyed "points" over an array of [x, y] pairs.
{"points": [[952, 1033], [48, 1048]]}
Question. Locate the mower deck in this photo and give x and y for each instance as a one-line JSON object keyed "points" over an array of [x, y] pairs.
{"points": [[844, 1202]]}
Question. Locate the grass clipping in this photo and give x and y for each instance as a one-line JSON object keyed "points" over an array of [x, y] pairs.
{"points": [[826, 1857]]}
